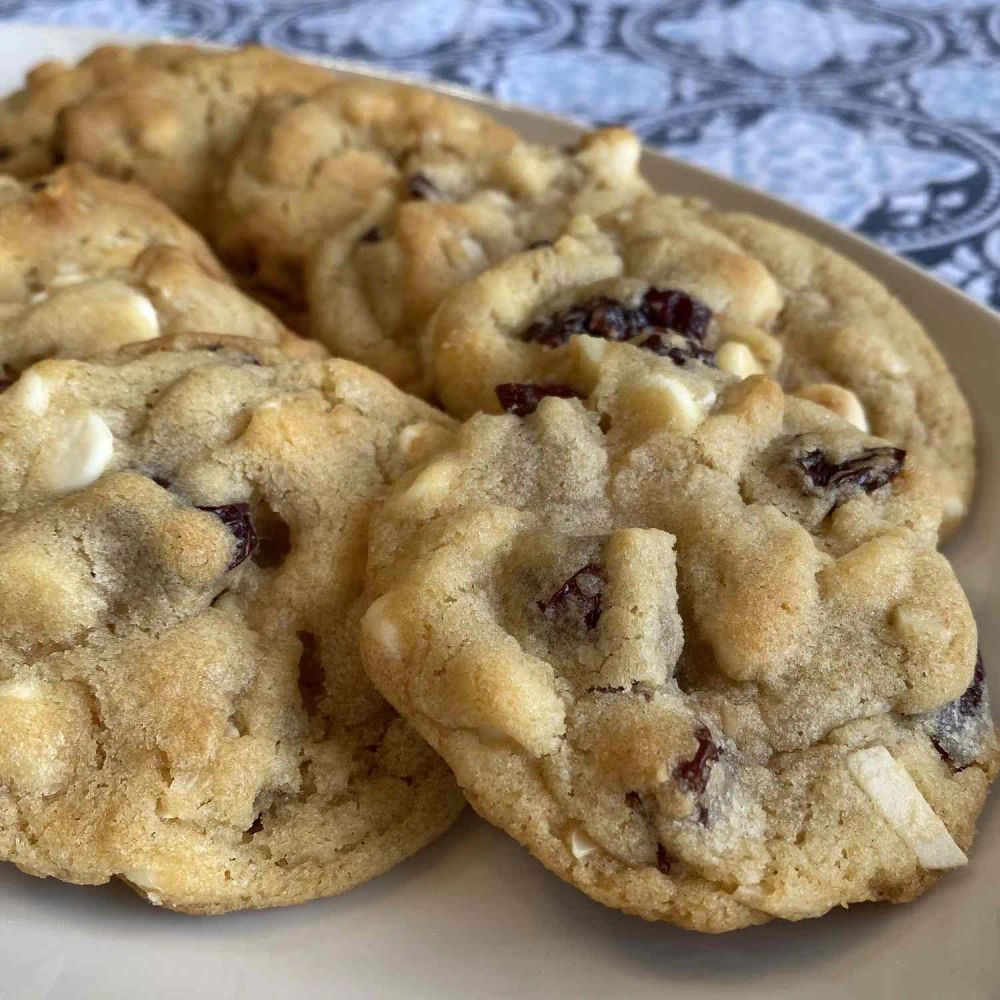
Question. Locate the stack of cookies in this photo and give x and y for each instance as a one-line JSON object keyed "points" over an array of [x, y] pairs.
{"points": [[359, 459]]}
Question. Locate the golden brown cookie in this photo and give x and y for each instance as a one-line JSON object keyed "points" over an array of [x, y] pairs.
{"points": [[691, 644], [308, 167], [373, 286], [675, 283], [182, 703], [88, 264]]}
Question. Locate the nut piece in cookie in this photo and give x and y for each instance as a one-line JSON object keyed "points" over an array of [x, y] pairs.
{"points": [[182, 704], [688, 639]]}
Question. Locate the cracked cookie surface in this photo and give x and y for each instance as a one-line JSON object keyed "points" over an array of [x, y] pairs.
{"points": [[162, 115], [308, 168], [182, 703], [373, 286], [769, 300], [90, 264], [691, 643]]}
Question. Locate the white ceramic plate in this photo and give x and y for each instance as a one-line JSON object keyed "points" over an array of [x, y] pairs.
{"points": [[475, 915]]}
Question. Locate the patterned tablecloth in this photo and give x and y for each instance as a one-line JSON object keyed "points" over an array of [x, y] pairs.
{"points": [[882, 115]]}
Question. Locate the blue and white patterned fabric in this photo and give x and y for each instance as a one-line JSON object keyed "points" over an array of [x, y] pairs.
{"points": [[882, 115]]}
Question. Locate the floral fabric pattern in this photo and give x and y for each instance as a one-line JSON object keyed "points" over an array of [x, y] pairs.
{"points": [[881, 115]]}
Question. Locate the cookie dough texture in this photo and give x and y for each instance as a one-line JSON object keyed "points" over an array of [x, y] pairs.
{"points": [[162, 115], [88, 264], [692, 645], [182, 703], [373, 286], [307, 168], [779, 303]]}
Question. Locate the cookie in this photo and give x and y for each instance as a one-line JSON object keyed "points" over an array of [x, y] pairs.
{"points": [[725, 289], [693, 646], [165, 116], [307, 167], [373, 286], [89, 264], [182, 704], [29, 118]]}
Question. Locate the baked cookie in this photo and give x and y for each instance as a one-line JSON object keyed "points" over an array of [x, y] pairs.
{"points": [[307, 167], [88, 264], [29, 118], [182, 703], [163, 115], [372, 286], [693, 647], [724, 289]]}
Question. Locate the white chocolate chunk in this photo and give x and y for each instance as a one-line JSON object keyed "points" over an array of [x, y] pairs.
{"points": [[418, 441], [954, 507], [895, 794], [378, 626], [839, 400], [430, 485], [146, 323], [580, 845], [20, 690], [672, 402], [737, 359], [79, 456], [145, 879], [32, 392]]}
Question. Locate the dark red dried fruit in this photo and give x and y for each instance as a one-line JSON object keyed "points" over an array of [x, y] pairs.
{"points": [[661, 313], [670, 309], [866, 472], [664, 862], [959, 728], [421, 187], [583, 592], [693, 774], [522, 398], [680, 354], [238, 519]]}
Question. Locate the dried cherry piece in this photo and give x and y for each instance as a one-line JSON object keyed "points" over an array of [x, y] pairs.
{"points": [[866, 472], [421, 187], [522, 398], [672, 309], [680, 354], [584, 591], [238, 519], [693, 774], [664, 861], [959, 728]]}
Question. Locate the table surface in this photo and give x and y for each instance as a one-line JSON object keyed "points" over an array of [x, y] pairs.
{"points": [[882, 115]]}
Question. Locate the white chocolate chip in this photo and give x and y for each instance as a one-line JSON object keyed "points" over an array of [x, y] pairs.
{"points": [[20, 690], [838, 400], [433, 483], [32, 392], [145, 879], [382, 629], [580, 845], [953, 507], [737, 359], [418, 441], [80, 455], [895, 794], [671, 401], [146, 325]]}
